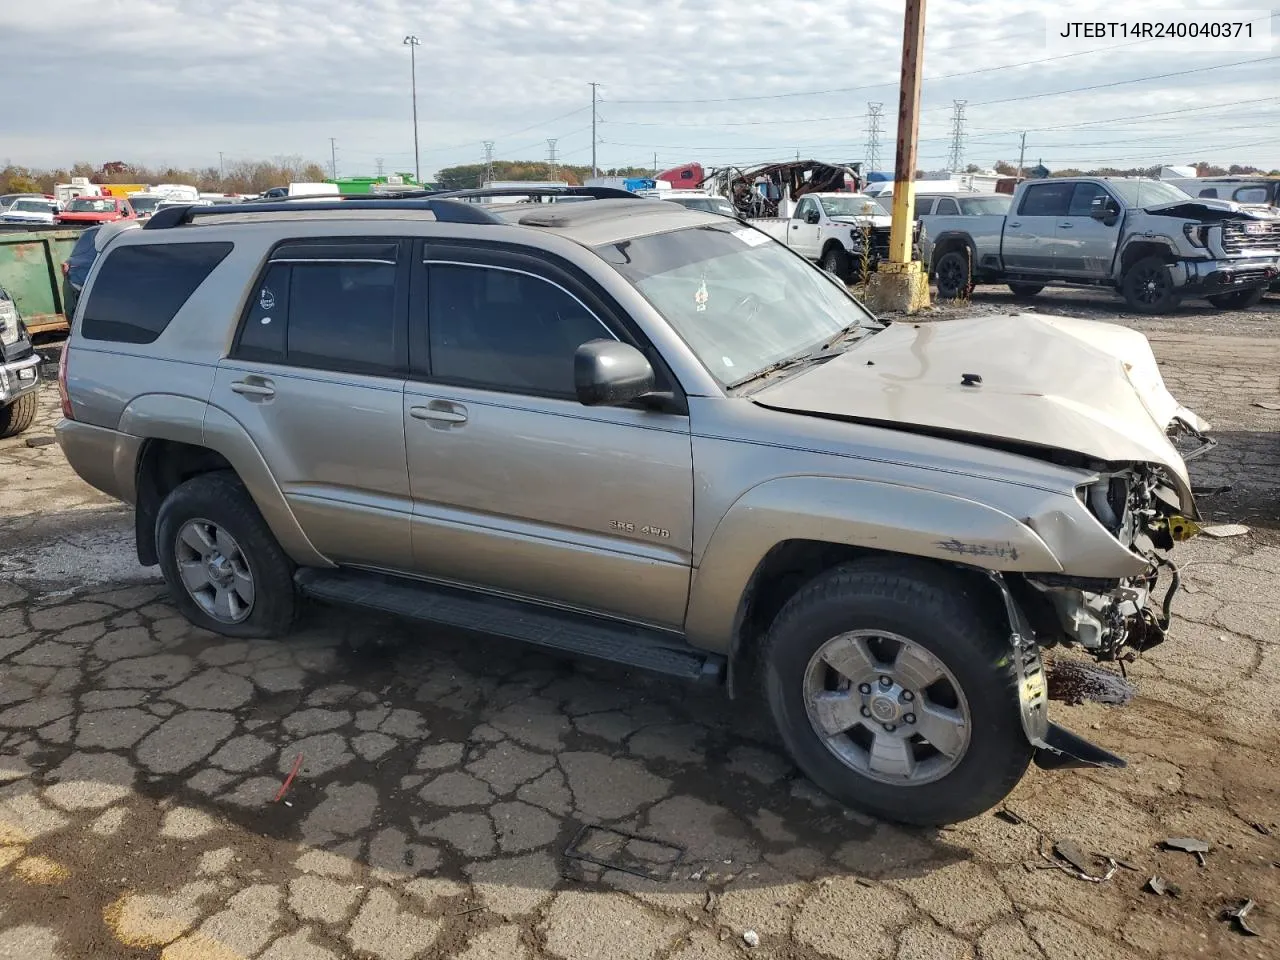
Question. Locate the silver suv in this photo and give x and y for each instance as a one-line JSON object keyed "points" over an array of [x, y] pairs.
{"points": [[652, 435]]}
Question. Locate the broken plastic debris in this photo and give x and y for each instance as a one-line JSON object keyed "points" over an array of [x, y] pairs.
{"points": [[1071, 853], [1221, 530], [1238, 914], [284, 787], [752, 939], [1267, 404], [1160, 886], [1189, 844], [1078, 860]]}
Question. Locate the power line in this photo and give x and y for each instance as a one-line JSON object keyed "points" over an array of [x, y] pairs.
{"points": [[890, 83]]}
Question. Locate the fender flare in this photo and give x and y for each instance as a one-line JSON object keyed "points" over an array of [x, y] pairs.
{"points": [[880, 517], [158, 416]]}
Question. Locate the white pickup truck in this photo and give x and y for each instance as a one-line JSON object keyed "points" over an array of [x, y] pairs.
{"points": [[846, 234]]}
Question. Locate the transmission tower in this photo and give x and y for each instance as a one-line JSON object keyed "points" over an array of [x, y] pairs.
{"points": [[551, 156], [955, 160], [488, 160], [875, 113], [378, 162]]}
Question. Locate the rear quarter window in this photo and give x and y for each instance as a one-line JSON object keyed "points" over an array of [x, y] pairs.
{"points": [[140, 289]]}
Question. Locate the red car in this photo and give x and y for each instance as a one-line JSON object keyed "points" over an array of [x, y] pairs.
{"points": [[96, 210]]}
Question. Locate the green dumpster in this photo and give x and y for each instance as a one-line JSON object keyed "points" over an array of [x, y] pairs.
{"points": [[31, 273]]}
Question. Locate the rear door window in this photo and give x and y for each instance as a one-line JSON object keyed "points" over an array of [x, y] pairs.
{"points": [[947, 207], [140, 289], [332, 306], [1047, 200]]}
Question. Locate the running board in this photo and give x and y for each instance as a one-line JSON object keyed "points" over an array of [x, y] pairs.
{"points": [[561, 631]]}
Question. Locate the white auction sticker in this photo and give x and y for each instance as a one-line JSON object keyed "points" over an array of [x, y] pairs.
{"points": [[1159, 31]]}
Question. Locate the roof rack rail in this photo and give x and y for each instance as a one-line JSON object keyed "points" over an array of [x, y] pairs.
{"points": [[595, 193], [445, 210]]}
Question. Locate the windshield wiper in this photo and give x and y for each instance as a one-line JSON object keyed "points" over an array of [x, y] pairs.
{"points": [[844, 333], [816, 356]]}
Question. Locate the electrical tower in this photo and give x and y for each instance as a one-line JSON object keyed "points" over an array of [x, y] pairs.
{"points": [[551, 156], [378, 163], [875, 113], [955, 160], [488, 160]]}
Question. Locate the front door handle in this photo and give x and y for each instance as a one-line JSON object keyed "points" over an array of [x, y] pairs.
{"points": [[440, 411], [795, 226], [1015, 223], [1065, 226], [247, 388]]}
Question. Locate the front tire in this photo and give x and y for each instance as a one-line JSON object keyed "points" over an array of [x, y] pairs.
{"points": [[225, 570], [1237, 299], [895, 692], [1147, 287], [953, 276], [19, 415], [837, 262]]}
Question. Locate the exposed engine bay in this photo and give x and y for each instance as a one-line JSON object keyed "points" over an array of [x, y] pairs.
{"points": [[1116, 619]]}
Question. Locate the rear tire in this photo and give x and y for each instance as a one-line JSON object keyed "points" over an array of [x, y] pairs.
{"points": [[1147, 287], [953, 275], [944, 623], [837, 262], [1237, 299], [243, 566], [1025, 291], [19, 415]]}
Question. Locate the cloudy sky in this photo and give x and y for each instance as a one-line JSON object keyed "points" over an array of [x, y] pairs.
{"points": [[718, 81]]}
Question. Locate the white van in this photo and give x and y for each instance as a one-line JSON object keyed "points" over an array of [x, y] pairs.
{"points": [[321, 191]]}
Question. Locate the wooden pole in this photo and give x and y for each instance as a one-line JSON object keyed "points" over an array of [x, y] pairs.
{"points": [[904, 165]]}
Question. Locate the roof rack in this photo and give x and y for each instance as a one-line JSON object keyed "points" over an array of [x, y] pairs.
{"points": [[595, 193], [445, 210]]}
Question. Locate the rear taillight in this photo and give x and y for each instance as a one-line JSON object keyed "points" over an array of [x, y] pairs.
{"points": [[63, 395]]}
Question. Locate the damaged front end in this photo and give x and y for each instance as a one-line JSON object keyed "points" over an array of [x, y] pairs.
{"points": [[1111, 619]]}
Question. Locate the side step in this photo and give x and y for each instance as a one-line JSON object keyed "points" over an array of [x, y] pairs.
{"points": [[562, 631]]}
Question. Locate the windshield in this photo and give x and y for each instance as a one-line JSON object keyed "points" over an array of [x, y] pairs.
{"points": [[709, 204], [91, 205], [31, 206], [975, 206], [854, 205], [1147, 193], [144, 204], [740, 300]]}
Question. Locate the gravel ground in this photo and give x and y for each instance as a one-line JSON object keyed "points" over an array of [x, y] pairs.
{"points": [[442, 777]]}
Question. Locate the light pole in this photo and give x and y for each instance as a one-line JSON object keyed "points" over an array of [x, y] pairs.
{"points": [[411, 42]]}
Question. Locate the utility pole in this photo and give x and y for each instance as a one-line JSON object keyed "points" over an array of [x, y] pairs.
{"points": [[1022, 153], [412, 42], [488, 161], [333, 156], [594, 170], [655, 163], [899, 283], [551, 156], [955, 160], [875, 113], [222, 172]]}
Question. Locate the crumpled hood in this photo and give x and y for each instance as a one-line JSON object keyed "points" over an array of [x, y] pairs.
{"points": [[1214, 207], [1053, 382]]}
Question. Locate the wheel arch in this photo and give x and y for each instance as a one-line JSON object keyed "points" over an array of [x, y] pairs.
{"points": [[186, 438], [1137, 250]]}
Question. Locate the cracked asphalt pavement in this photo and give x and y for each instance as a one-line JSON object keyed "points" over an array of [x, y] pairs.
{"points": [[440, 780]]}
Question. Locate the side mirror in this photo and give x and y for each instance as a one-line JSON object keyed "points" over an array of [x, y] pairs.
{"points": [[1105, 209], [812, 217], [610, 373]]}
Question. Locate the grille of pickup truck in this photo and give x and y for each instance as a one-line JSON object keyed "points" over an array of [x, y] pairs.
{"points": [[1243, 237]]}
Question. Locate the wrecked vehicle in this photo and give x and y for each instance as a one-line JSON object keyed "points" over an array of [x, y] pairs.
{"points": [[1146, 239], [19, 371], [623, 429], [815, 208]]}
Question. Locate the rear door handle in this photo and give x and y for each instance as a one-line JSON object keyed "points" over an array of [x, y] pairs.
{"points": [[247, 388], [440, 411]]}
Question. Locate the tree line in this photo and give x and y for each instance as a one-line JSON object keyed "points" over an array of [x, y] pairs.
{"points": [[237, 176]]}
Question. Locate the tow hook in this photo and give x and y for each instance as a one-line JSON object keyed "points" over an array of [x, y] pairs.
{"points": [[1057, 748]]}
